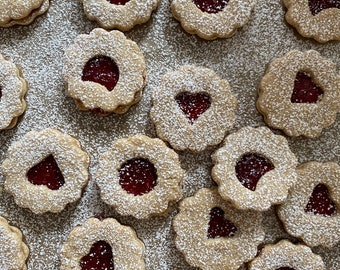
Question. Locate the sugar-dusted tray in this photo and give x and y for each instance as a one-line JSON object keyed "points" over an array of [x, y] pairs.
{"points": [[242, 59]]}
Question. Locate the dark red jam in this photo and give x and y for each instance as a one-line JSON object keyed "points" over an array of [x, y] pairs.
{"points": [[219, 226], [211, 6], [138, 176], [317, 6], [193, 105], [103, 70], [320, 202], [46, 173], [118, 2], [250, 168], [99, 258], [305, 90]]}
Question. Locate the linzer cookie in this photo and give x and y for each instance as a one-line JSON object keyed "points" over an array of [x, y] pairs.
{"points": [[300, 93], [102, 244], [119, 14], [21, 12], [45, 171], [318, 19], [12, 91], [213, 235], [254, 168], [312, 210], [140, 176], [286, 256], [212, 19], [105, 72], [13, 251], [193, 108]]}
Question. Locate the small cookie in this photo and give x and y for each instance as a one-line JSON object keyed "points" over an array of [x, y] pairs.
{"points": [[105, 72], [300, 93], [254, 168], [21, 12], [318, 19], [213, 235], [12, 92], [119, 14], [140, 176], [286, 256], [45, 171], [13, 251], [312, 210], [102, 244], [212, 19], [193, 108]]}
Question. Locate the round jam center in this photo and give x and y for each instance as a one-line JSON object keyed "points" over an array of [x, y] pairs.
{"points": [[317, 6], [193, 105], [118, 2], [103, 70], [46, 173], [305, 90], [211, 6], [320, 202], [250, 168], [219, 226], [99, 258], [138, 176]]}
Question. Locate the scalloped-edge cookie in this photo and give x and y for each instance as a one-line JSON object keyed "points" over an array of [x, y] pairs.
{"points": [[212, 19], [21, 12], [300, 93], [140, 176], [193, 108], [312, 210], [119, 14], [102, 244], [105, 72], [12, 92], [13, 251], [315, 18], [254, 169], [214, 235], [45, 171], [285, 255]]}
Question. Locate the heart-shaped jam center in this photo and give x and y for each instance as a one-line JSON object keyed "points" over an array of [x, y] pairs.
{"points": [[118, 2], [47, 173], [138, 176], [320, 202], [211, 6], [285, 268], [317, 6], [219, 226], [305, 90], [99, 258], [250, 168], [103, 70], [193, 105]]}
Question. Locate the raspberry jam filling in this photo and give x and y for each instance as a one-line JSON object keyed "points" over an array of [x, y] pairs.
{"points": [[138, 176], [320, 202], [46, 173], [211, 6], [219, 226], [103, 70], [118, 2], [305, 90], [317, 6], [99, 258], [250, 168], [193, 105]]}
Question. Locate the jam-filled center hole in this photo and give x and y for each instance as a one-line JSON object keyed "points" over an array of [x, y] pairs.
{"points": [[305, 90], [316, 6], [219, 226], [100, 257], [211, 6], [320, 202], [138, 176], [118, 2], [47, 173], [103, 70]]}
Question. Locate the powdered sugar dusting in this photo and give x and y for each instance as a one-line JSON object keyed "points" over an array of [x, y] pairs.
{"points": [[241, 60]]}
